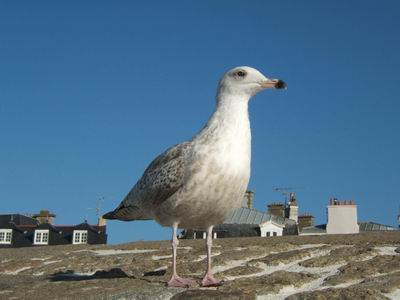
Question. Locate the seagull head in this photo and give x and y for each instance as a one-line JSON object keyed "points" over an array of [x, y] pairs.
{"points": [[246, 82]]}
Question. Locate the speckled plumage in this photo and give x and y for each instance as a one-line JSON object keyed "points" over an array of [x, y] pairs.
{"points": [[199, 182]]}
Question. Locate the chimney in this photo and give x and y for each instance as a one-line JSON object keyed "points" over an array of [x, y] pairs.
{"points": [[101, 222], [276, 209], [248, 199], [44, 216], [342, 218], [292, 209], [305, 220]]}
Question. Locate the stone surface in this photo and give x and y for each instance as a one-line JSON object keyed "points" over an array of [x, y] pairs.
{"points": [[340, 294], [363, 266], [268, 284], [375, 266], [341, 255]]}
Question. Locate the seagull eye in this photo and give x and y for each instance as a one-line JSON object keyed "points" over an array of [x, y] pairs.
{"points": [[241, 73]]}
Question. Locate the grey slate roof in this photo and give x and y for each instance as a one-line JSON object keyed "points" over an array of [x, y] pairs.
{"points": [[17, 219], [314, 229], [237, 230], [371, 226], [244, 215], [364, 226]]}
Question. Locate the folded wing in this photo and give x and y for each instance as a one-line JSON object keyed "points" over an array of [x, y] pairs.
{"points": [[162, 178]]}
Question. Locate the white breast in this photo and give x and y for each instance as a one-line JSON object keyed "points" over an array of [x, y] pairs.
{"points": [[217, 172]]}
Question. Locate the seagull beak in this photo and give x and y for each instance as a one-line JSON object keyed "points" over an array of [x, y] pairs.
{"points": [[273, 83]]}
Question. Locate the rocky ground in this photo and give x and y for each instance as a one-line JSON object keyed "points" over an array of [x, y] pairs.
{"points": [[364, 266]]}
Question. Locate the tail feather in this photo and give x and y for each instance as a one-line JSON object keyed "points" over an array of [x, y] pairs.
{"points": [[110, 215], [126, 213]]}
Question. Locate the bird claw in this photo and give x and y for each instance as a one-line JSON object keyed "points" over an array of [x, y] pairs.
{"points": [[209, 280], [177, 281]]}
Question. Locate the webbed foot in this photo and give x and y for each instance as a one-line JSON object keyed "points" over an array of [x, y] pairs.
{"points": [[209, 280], [177, 281]]}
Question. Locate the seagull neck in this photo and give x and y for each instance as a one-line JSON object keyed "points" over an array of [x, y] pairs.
{"points": [[231, 108], [231, 114]]}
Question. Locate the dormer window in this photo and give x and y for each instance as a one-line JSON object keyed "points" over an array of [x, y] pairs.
{"points": [[41, 237], [80, 237], [5, 236]]}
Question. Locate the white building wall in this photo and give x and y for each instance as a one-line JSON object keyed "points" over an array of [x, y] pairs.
{"points": [[270, 229], [342, 219], [294, 213]]}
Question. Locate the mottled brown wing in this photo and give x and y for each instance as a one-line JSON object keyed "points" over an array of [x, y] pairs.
{"points": [[162, 178]]}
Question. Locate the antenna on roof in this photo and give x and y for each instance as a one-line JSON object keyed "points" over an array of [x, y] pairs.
{"points": [[100, 201], [286, 190]]}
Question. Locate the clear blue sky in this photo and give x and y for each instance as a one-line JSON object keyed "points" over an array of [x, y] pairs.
{"points": [[92, 91]]}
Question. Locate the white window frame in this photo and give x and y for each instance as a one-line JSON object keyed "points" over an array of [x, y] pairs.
{"points": [[5, 236], [41, 237], [80, 237]]}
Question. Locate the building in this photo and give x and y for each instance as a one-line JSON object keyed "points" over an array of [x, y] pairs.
{"points": [[364, 227], [276, 209], [246, 221], [44, 216], [17, 230], [342, 217], [292, 210], [372, 226], [271, 228], [305, 220]]}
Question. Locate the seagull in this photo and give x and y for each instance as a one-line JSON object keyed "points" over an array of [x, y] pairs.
{"points": [[198, 183]]}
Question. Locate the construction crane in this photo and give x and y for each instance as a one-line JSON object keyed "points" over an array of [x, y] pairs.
{"points": [[286, 191]]}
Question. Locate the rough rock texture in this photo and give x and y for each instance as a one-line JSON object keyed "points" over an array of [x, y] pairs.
{"points": [[268, 284], [363, 269], [341, 255], [340, 294], [364, 266]]}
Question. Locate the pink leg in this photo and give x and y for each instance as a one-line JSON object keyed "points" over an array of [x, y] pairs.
{"points": [[209, 279], [175, 280]]}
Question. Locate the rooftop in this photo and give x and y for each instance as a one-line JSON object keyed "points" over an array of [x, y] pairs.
{"points": [[244, 215]]}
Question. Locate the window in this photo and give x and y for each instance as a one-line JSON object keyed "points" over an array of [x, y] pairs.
{"points": [[268, 233], [275, 233], [5, 236], [41, 237], [80, 237]]}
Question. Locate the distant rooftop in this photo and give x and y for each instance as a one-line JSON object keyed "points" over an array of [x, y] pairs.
{"points": [[364, 226], [371, 226], [319, 229], [244, 215]]}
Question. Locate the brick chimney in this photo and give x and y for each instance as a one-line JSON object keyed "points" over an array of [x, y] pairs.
{"points": [[305, 220], [248, 199], [101, 222], [276, 209], [44, 216]]}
